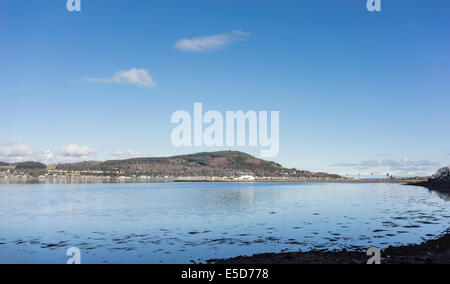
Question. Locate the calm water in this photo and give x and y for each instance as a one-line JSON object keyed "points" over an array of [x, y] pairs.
{"points": [[179, 223]]}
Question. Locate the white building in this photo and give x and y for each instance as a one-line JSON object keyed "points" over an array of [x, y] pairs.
{"points": [[247, 178]]}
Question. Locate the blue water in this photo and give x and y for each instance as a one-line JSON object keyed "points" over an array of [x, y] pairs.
{"points": [[180, 223]]}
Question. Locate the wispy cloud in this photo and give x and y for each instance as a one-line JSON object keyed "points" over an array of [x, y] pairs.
{"points": [[408, 165], [208, 43], [134, 76], [125, 154], [361, 165], [400, 165]]}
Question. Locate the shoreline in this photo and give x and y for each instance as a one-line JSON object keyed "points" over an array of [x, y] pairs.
{"points": [[91, 180], [435, 251]]}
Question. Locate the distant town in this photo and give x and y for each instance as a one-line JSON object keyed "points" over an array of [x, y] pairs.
{"points": [[226, 166]]}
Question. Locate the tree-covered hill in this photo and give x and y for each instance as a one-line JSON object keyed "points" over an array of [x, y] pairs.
{"points": [[30, 166], [219, 164]]}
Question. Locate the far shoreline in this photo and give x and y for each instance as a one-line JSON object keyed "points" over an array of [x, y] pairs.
{"points": [[100, 180]]}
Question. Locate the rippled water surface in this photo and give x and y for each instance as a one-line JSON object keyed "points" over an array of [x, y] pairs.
{"points": [[180, 223]]}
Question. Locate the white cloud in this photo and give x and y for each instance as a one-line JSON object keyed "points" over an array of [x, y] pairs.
{"points": [[77, 151], [207, 43], [14, 153], [125, 154], [133, 76]]}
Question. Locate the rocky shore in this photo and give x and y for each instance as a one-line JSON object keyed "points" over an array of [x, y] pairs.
{"points": [[430, 252], [436, 185], [439, 182]]}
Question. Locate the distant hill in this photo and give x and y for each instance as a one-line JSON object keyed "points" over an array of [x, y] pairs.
{"points": [[3, 164], [30, 166], [219, 164]]}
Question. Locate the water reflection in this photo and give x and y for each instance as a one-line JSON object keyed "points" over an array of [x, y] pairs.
{"points": [[444, 195]]}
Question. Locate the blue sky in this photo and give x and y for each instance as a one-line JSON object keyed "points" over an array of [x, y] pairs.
{"points": [[357, 91]]}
